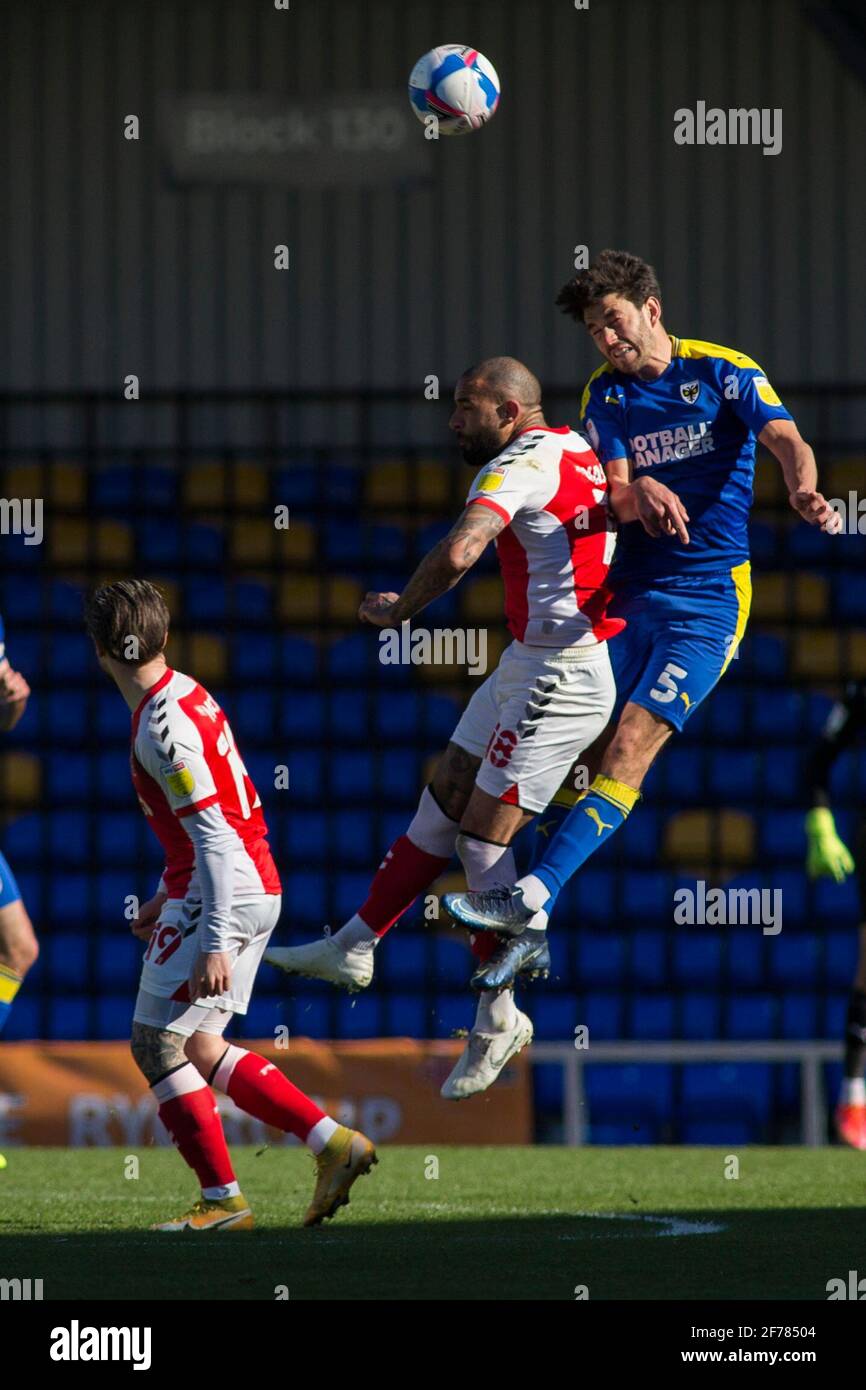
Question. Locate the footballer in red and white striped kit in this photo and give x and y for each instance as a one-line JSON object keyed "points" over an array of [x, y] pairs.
{"points": [[208, 923], [542, 494]]}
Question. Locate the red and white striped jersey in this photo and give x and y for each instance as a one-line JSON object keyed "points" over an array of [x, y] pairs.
{"points": [[184, 759], [551, 491]]}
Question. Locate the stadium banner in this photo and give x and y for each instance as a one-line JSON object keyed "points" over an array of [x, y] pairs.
{"points": [[92, 1094]]}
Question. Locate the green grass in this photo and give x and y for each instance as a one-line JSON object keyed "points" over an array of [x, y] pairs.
{"points": [[505, 1223]]}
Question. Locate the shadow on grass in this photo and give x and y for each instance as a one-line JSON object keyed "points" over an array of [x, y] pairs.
{"points": [[759, 1254]]}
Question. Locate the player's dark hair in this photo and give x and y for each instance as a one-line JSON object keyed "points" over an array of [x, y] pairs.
{"points": [[129, 608], [612, 272]]}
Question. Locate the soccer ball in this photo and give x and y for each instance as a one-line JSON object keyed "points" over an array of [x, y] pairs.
{"points": [[455, 84]]}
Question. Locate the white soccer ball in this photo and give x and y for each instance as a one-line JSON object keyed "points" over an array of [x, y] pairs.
{"points": [[455, 84]]}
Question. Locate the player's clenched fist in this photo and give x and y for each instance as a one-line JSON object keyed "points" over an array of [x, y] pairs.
{"points": [[660, 511], [14, 694], [814, 508], [376, 609], [148, 915]]}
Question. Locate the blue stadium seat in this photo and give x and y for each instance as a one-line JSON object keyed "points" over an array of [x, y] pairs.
{"points": [[439, 716], [651, 1016], [721, 1090], [118, 836], [451, 1012], [589, 897], [118, 960], [306, 892], [599, 958], [25, 840], [778, 716], [253, 713], [402, 959], [649, 955], [751, 1017], [840, 956], [452, 961], [406, 1016], [727, 713], [628, 1091], [255, 657], [553, 1016], [302, 713], [309, 1015], [70, 898], [400, 776], [351, 835], [697, 956], [359, 1016], [700, 1017], [22, 599], [302, 484], [70, 654], [306, 775], [781, 837], [638, 841], [715, 1132], [113, 785], [835, 1015], [348, 715], [67, 955], [733, 775], [204, 599], [25, 1020], [795, 959], [299, 660], [547, 1086], [114, 1015], [602, 1014], [745, 956], [69, 713], [397, 714], [799, 1016], [260, 1020], [647, 895], [111, 715], [783, 771], [68, 1017], [349, 891], [837, 902], [764, 543]]}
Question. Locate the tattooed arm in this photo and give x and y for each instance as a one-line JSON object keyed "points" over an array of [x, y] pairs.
{"points": [[439, 571]]}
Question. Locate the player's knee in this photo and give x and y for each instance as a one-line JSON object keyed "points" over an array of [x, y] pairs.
{"points": [[204, 1050], [156, 1051], [634, 747]]}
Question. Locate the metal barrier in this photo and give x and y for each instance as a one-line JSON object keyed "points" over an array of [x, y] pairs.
{"points": [[810, 1057]]}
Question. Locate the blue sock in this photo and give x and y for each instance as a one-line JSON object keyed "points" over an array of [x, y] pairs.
{"points": [[594, 818], [548, 823]]}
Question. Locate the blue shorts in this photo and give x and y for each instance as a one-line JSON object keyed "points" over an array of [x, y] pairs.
{"points": [[678, 641], [8, 887]]}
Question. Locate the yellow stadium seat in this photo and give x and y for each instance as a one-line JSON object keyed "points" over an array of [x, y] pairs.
{"points": [[201, 655], [305, 598], [780, 596], [395, 482], [841, 477], [255, 541], [483, 600], [114, 542], [20, 779], [769, 483], [725, 838], [68, 485], [827, 655], [215, 483]]}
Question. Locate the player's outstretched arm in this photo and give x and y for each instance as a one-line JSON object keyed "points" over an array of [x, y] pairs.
{"points": [[800, 471], [658, 509], [439, 571]]}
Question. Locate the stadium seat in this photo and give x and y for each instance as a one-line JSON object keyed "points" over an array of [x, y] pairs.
{"points": [[647, 894], [394, 483], [451, 1013], [723, 1092], [799, 1016], [649, 958], [751, 1017], [599, 958], [629, 1092], [651, 1016], [697, 957], [68, 1017], [114, 1015], [722, 838], [405, 1015], [700, 1017], [779, 596], [402, 959], [25, 1020], [552, 1015], [745, 957], [795, 959], [603, 1016], [840, 958], [348, 890]]}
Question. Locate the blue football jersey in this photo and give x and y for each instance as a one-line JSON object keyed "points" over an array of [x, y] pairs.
{"points": [[695, 428]]}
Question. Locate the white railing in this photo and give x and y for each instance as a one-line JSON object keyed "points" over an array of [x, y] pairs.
{"points": [[809, 1056]]}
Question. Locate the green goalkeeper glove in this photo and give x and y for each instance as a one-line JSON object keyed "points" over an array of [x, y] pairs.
{"points": [[827, 856]]}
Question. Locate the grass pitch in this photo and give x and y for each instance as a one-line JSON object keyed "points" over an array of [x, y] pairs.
{"points": [[500, 1223]]}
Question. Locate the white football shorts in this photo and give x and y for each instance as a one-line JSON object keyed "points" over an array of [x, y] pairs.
{"points": [[533, 716], [171, 954]]}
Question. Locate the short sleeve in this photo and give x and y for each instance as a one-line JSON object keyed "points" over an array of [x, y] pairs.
{"points": [[603, 419], [750, 396], [508, 486]]}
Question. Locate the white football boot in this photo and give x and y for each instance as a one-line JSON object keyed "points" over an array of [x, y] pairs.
{"points": [[483, 1058], [325, 960]]}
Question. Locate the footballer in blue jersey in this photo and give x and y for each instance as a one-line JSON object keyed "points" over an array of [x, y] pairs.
{"points": [[18, 948], [677, 420]]}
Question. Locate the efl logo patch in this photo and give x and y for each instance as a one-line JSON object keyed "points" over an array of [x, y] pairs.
{"points": [[765, 391], [492, 480], [690, 391], [179, 778]]}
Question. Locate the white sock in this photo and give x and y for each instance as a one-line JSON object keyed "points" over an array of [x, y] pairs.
{"points": [[853, 1091], [497, 1011], [354, 933], [535, 893], [486, 865], [216, 1194], [320, 1134]]}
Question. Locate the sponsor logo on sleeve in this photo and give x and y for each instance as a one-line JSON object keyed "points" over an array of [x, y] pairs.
{"points": [[765, 391], [492, 480], [178, 778]]}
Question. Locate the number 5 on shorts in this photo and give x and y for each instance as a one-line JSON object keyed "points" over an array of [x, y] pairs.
{"points": [[668, 684]]}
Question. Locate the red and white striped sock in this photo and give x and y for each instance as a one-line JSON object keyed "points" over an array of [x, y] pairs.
{"points": [[187, 1109], [260, 1088]]}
